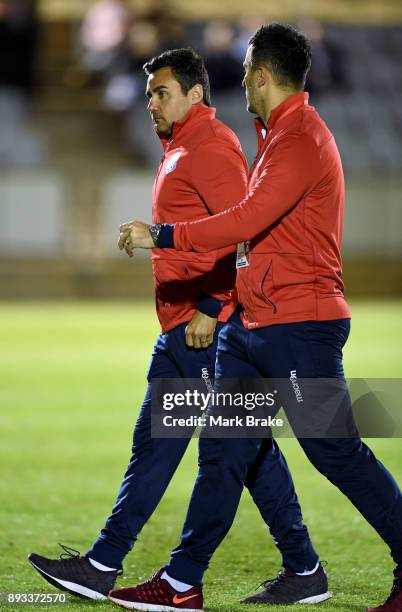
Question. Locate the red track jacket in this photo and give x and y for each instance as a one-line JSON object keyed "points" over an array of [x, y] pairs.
{"points": [[293, 218], [203, 171]]}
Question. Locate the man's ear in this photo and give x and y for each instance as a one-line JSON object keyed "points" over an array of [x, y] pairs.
{"points": [[262, 76], [196, 94]]}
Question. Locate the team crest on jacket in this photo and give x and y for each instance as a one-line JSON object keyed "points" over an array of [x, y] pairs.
{"points": [[172, 163]]}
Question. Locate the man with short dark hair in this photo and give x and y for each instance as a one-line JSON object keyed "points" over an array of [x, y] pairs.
{"points": [[202, 171], [293, 320]]}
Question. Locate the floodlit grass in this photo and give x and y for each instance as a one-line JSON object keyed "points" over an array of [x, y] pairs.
{"points": [[72, 377]]}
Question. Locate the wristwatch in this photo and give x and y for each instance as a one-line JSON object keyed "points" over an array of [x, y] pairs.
{"points": [[155, 230]]}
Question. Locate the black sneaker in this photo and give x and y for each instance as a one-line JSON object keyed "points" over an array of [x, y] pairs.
{"points": [[291, 588], [75, 574]]}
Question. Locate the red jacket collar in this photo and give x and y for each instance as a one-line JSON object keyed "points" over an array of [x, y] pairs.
{"points": [[292, 103], [286, 107], [197, 114]]}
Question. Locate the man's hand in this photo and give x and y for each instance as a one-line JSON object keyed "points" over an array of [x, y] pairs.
{"points": [[135, 235], [200, 331]]}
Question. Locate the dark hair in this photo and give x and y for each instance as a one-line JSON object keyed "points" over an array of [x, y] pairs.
{"points": [[188, 69], [285, 51]]}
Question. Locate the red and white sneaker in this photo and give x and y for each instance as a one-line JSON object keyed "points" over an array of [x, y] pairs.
{"points": [[157, 595], [394, 601]]}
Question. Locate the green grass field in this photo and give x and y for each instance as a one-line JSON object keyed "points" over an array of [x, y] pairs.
{"points": [[72, 377]]}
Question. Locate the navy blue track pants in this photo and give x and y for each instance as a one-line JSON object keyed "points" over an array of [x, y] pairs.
{"points": [[154, 462], [314, 350]]}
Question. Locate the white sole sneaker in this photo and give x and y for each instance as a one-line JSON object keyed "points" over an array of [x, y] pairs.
{"points": [[71, 587], [315, 598]]}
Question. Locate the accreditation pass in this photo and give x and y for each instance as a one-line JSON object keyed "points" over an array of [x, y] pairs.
{"points": [[242, 255]]}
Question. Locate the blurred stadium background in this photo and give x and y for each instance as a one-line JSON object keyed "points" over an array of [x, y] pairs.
{"points": [[77, 151], [77, 156]]}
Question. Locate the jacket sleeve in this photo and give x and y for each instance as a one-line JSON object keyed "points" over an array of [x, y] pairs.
{"points": [[219, 174], [209, 305], [288, 174]]}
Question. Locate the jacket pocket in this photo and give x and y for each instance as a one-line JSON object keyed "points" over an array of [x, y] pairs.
{"points": [[267, 286], [170, 279], [179, 281], [255, 283]]}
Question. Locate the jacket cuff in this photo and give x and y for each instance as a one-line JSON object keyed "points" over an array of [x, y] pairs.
{"points": [[165, 237], [209, 305]]}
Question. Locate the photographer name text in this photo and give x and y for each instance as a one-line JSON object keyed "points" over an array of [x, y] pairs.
{"points": [[219, 421]]}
